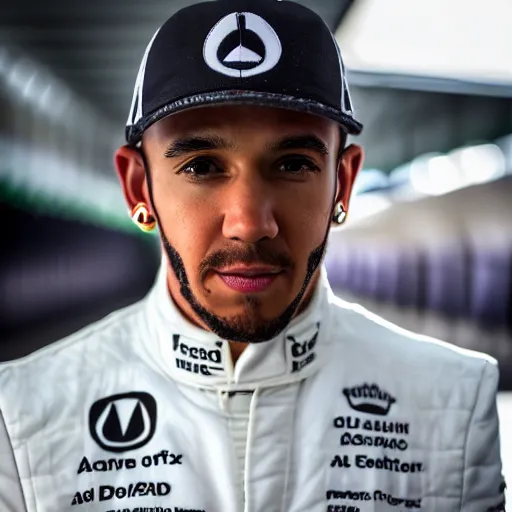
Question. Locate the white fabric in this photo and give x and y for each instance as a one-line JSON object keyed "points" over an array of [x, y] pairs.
{"points": [[342, 412]]}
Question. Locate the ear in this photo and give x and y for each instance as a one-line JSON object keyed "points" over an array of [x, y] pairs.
{"points": [[349, 165], [132, 175]]}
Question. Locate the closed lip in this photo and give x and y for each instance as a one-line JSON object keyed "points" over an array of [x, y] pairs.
{"points": [[249, 271]]}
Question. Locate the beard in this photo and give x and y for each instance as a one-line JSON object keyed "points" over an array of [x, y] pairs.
{"points": [[250, 326]]}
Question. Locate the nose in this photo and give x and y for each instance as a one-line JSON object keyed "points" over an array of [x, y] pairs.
{"points": [[249, 211]]}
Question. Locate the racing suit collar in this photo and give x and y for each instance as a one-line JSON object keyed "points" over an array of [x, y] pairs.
{"points": [[200, 358]]}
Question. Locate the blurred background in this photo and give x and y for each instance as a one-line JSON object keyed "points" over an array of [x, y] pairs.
{"points": [[428, 244]]}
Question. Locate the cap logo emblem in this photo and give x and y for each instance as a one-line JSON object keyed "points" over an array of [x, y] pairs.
{"points": [[241, 45]]}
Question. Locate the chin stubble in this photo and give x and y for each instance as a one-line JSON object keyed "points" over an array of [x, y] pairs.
{"points": [[248, 327]]}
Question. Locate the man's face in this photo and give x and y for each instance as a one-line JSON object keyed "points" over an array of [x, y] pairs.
{"points": [[243, 198]]}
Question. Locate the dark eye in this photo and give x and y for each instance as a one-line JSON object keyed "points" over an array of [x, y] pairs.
{"points": [[297, 165], [200, 168]]}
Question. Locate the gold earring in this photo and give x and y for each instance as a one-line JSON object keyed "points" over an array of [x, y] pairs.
{"points": [[340, 215], [142, 218]]}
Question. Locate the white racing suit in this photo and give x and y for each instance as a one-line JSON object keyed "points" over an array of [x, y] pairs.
{"points": [[342, 412]]}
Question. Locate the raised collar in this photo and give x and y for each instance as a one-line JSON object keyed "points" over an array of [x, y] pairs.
{"points": [[200, 358]]}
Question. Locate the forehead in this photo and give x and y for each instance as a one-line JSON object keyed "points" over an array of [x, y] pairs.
{"points": [[240, 122]]}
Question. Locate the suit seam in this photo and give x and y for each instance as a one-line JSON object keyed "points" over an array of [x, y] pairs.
{"points": [[289, 448], [22, 489], [248, 451], [477, 395]]}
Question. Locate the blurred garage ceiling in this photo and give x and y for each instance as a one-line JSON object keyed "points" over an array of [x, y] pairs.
{"points": [[95, 47]]}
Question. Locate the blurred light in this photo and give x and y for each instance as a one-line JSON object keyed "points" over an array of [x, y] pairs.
{"points": [[479, 164], [400, 175], [19, 74], [366, 205], [420, 174], [443, 175], [400, 188], [30, 89], [370, 180], [435, 174], [45, 96], [33, 84], [459, 39], [505, 144], [53, 169]]}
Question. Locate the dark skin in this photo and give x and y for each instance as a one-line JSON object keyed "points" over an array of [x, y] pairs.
{"points": [[253, 186]]}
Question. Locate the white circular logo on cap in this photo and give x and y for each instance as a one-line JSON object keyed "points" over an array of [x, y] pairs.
{"points": [[242, 44]]}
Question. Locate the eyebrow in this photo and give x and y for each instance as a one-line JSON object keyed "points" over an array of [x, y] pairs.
{"points": [[308, 141], [187, 145]]}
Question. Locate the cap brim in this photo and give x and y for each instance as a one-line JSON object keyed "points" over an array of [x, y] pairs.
{"points": [[234, 97]]}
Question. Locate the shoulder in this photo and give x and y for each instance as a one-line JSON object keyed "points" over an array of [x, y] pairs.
{"points": [[422, 374], [380, 340]]}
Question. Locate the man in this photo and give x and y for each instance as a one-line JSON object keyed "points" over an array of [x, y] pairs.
{"points": [[241, 383]]}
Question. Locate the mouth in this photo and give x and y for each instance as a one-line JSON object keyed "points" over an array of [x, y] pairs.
{"points": [[250, 279]]}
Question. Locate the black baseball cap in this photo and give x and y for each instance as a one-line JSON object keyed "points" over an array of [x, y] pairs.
{"points": [[252, 52]]}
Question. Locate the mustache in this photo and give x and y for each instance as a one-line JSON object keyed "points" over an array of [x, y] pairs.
{"points": [[247, 255]]}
